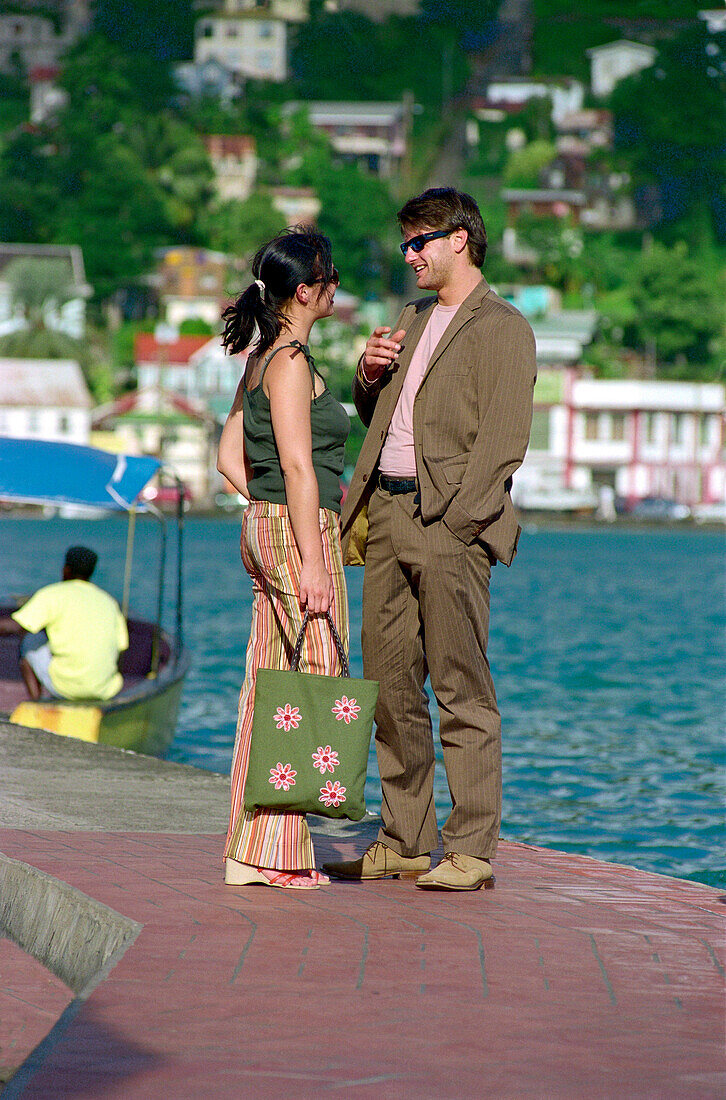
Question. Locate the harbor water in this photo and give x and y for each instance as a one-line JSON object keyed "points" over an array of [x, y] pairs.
{"points": [[607, 647]]}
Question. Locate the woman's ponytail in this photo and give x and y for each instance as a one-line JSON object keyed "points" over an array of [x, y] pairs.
{"points": [[299, 255]]}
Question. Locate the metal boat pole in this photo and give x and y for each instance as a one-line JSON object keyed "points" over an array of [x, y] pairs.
{"points": [[130, 532], [179, 559], [156, 637]]}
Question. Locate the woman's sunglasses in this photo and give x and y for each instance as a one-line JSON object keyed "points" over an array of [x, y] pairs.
{"points": [[417, 243]]}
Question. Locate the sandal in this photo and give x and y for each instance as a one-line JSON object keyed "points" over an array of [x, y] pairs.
{"points": [[244, 874]]}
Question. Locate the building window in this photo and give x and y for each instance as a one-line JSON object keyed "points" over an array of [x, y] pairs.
{"points": [[678, 428], [704, 433], [231, 31], [64, 424], [618, 426], [539, 439], [591, 425], [649, 427], [264, 30], [206, 30]]}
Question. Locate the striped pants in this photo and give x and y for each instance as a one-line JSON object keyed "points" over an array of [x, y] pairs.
{"points": [[267, 838]]}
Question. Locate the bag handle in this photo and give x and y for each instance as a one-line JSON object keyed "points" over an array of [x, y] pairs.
{"points": [[336, 638]]}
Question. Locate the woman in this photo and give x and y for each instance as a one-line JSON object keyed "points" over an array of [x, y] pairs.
{"points": [[282, 448]]}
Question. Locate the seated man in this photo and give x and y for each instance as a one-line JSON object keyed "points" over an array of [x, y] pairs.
{"points": [[86, 632]]}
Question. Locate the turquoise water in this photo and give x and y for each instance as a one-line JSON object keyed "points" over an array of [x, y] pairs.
{"points": [[607, 648]]}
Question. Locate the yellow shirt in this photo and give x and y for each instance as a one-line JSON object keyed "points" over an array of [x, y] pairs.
{"points": [[86, 632]]}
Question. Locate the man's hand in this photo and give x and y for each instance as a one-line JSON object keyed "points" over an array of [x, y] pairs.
{"points": [[380, 353]]}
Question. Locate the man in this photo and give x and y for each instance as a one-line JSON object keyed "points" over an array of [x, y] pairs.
{"points": [[86, 632], [447, 399]]}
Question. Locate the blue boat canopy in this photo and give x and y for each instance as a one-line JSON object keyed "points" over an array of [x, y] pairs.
{"points": [[39, 472]]}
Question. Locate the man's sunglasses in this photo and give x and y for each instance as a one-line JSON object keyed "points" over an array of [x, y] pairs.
{"points": [[417, 243]]}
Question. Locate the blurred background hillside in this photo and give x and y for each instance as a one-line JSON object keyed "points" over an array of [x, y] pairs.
{"points": [[147, 147]]}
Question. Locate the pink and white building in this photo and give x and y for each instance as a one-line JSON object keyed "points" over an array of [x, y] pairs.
{"points": [[638, 438]]}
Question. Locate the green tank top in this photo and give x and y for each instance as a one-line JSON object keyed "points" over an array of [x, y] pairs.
{"points": [[330, 427]]}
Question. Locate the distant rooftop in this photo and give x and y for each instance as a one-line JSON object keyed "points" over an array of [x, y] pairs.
{"points": [[43, 383]]}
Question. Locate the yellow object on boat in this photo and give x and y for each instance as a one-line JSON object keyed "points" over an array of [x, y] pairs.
{"points": [[68, 721]]}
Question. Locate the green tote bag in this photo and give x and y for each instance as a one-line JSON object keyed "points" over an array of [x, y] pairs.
{"points": [[310, 739]]}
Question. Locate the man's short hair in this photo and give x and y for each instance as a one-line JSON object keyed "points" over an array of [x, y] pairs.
{"points": [[446, 208], [81, 561]]}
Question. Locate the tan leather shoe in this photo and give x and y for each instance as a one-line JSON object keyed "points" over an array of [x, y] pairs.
{"points": [[458, 872], [379, 861]]}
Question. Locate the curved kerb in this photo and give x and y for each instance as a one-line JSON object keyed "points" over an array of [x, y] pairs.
{"points": [[78, 939]]}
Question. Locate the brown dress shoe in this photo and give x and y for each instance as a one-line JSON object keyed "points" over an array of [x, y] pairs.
{"points": [[458, 872], [379, 861]]}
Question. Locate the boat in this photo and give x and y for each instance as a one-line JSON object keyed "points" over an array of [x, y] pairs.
{"points": [[143, 716]]}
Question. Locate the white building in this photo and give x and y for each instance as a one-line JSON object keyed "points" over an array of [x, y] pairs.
{"points": [[34, 39], [637, 438], [371, 134], [249, 37], [567, 95], [234, 160], [44, 399], [615, 61]]}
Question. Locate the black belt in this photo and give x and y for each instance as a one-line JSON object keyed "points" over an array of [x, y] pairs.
{"points": [[395, 485]]}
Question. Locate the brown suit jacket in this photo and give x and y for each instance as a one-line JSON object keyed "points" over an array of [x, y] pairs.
{"points": [[471, 420]]}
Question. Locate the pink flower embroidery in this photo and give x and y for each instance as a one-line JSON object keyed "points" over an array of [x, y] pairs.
{"points": [[325, 759], [346, 709], [287, 718], [282, 776], [332, 794]]}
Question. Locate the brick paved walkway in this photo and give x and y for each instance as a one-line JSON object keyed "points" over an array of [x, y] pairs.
{"points": [[571, 978]]}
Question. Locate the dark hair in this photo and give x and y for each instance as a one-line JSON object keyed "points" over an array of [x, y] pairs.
{"points": [[81, 561], [446, 208], [299, 255]]}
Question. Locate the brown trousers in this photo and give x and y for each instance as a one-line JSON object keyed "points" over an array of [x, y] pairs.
{"points": [[426, 611]]}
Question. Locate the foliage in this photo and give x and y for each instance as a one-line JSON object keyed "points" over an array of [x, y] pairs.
{"points": [[563, 30], [196, 326], [241, 227], [677, 309], [39, 343], [38, 285], [346, 56], [524, 165], [670, 121], [163, 29]]}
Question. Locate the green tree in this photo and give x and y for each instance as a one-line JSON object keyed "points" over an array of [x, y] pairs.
{"points": [[524, 165], [240, 228], [164, 29], [677, 310], [38, 286], [670, 121]]}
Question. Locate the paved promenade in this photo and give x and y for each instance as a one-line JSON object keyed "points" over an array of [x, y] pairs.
{"points": [[570, 978]]}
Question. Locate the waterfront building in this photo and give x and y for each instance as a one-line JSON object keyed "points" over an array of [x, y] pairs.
{"points": [[44, 399], [635, 439]]}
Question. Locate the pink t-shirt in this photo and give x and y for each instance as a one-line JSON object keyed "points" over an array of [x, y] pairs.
{"points": [[398, 458]]}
